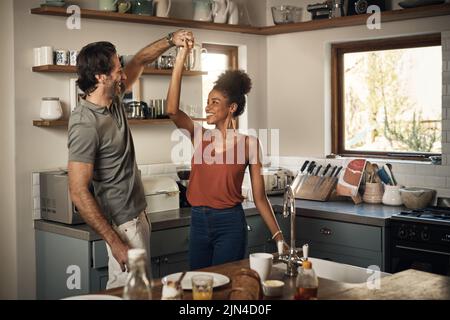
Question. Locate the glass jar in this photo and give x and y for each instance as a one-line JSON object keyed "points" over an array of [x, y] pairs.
{"points": [[306, 283], [137, 286]]}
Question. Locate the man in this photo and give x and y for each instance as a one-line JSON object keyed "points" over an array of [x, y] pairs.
{"points": [[101, 150]]}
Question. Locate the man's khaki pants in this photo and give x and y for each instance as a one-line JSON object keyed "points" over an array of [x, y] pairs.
{"points": [[136, 233]]}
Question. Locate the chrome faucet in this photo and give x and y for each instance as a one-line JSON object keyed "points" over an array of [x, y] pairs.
{"points": [[292, 260]]}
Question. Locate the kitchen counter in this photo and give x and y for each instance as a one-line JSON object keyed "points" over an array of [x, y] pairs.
{"points": [[408, 284], [159, 220], [345, 211]]}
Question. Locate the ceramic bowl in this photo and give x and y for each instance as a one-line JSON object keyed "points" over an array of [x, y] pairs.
{"points": [[417, 198], [273, 288]]}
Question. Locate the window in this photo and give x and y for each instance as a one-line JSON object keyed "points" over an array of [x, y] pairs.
{"points": [[387, 97], [217, 60]]}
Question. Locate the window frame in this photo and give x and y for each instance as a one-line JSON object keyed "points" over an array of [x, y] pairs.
{"points": [[337, 89], [232, 53]]}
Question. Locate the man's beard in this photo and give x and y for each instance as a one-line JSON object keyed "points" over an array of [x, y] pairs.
{"points": [[116, 89]]}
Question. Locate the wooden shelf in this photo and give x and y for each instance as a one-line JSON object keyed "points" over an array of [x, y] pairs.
{"points": [[134, 18], [149, 71], [347, 21], [64, 123], [386, 16]]}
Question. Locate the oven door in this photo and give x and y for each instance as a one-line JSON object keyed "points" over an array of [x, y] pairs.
{"points": [[406, 256]]}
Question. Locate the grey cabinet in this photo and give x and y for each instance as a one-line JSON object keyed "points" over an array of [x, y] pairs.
{"points": [[259, 236], [350, 243], [68, 266], [169, 251]]}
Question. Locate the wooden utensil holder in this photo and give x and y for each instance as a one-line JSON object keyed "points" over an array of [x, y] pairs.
{"points": [[316, 188]]}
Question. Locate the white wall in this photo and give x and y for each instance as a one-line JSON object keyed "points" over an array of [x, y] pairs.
{"points": [[299, 95], [8, 231], [41, 148]]}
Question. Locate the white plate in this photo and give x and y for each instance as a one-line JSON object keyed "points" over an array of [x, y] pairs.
{"points": [[93, 297], [186, 284]]}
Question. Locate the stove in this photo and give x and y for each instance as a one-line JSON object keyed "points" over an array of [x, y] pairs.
{"points": [[420, 239]]}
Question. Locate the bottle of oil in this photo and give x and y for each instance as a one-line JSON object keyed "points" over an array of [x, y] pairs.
{"points": [[307, 283]]}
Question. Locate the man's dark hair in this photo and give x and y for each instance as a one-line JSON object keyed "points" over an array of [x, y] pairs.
{"points": [[94, 59], [234, 84]]}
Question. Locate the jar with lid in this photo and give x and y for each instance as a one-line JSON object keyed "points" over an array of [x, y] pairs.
{"points": [[137, 286], [50, 109], [306, 283]]}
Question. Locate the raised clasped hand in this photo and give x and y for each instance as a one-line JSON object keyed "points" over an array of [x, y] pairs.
{"points": [[182, 37]]}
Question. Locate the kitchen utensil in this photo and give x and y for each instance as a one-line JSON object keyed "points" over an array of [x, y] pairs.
{"points": [[61, 57], [384, 176], [220, 9], [123, 6], [417, 198], [233, 13], [338, 171], [322, 179], [186, 283], [375, 176], [283, 14], [107, 5], [162, 7], [373, 193], [50, 109], [142, 7], [202, 10], [388, 169], [391, 196], [273, 288]]}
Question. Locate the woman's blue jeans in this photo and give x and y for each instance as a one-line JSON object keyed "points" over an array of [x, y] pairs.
{"points": [[217, 236]]}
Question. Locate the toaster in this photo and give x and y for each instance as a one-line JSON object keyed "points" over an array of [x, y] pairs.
{"points": [[276, 180]]}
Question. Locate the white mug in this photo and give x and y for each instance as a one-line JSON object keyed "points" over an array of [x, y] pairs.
{"points": [[262, 264], [46, 56]]}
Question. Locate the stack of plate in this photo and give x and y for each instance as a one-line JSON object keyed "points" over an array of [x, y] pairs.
{"points": [[54, 3]]}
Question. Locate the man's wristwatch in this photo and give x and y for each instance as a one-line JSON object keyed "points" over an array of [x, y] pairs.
{"points": [[169, 39]]}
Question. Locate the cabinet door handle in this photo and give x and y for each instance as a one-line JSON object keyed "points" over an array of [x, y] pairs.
{"points": [[166, 260], [249, 228], [325, 231]]}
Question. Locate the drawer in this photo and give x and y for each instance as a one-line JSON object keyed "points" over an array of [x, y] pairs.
{"points": [[348, 255], [169, 241], [99, 254], [339, 233], [258, 233]]}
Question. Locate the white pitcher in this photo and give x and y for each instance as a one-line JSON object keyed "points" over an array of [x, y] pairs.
{"points": [[233, 17], [162, 7], [220, 10], [202, 10]]}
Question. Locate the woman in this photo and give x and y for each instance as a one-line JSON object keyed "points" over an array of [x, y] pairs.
{"points": [[221, 156]]}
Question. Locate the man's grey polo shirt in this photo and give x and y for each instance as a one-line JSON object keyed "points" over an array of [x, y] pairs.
{"points": [[101, 136]]}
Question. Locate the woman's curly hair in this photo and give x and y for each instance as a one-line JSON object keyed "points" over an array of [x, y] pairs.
{"points": [[234, 84]]}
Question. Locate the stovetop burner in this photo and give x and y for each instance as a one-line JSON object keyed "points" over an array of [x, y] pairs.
{"points": [[435, 214]]}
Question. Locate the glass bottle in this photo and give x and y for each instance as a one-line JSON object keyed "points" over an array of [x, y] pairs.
{"points": [[307, 283], [137, 286]]}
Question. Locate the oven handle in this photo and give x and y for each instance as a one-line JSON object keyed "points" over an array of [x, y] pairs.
{"points": [[422, 250]]}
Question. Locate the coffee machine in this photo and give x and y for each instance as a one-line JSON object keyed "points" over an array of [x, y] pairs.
{"points": [[320, 10], [183, 173]]}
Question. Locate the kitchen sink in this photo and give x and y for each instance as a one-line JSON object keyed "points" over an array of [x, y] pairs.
{"points": [[338, 271]]}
